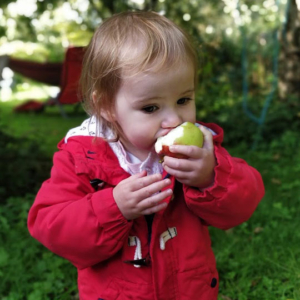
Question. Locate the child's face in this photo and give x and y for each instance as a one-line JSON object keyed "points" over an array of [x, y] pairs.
{"points": [[148, 105]]}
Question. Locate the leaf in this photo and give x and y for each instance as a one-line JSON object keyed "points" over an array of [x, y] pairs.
{"points": [[3, 257], [223, 297], [258, 229], [276, 181]]}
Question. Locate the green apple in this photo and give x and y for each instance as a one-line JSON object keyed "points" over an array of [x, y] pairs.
{"points": [[185, 134]]}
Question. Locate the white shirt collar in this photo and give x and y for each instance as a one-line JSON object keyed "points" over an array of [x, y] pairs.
{"points": [[128, 161]]}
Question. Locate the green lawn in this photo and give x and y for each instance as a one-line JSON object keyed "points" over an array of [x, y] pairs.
{"points": [[47, 127], [258, 260]]}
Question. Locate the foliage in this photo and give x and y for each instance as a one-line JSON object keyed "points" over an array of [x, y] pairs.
{"points": [[24, 164], [218, 29], [28, 270], [260, 259], [229, 114], [41, 129], [26, 160]]}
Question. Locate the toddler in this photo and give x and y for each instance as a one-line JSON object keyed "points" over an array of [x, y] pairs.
{"points": [[134, 227]]}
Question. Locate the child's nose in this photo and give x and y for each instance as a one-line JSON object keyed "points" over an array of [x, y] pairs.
{"points": [[172, 119]]}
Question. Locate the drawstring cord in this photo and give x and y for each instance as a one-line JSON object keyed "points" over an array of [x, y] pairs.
{"points": [[135, 241]]}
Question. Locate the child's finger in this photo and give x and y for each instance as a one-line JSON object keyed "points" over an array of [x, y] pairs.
{"points": [[150, 204], [208, 138], [177, 164], [142, 180], [152, 189], [186, 151], [178, 173], [154, 209]]}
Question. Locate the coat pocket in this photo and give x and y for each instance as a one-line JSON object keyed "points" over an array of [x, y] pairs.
{"points": [[112, 292], [199, 283], [120, 289]]}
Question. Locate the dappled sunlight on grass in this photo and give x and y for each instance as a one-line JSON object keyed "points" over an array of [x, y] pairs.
{"points": [[39, 93], [47, 127]]}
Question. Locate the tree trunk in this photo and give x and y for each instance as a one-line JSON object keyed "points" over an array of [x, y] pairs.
{"points": [[289, 59]]}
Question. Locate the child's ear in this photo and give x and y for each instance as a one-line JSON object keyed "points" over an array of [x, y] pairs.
{"points": [[104, 113]]}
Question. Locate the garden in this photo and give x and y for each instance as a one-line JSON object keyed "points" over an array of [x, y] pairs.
{"points": [[240, 88]]}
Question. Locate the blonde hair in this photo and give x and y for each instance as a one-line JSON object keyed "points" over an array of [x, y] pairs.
{"points": [[124, 45]]}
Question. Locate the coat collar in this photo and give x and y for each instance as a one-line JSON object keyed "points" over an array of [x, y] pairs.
{"points": [[94, 156]]}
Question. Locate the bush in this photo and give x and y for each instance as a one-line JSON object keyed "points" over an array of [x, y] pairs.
{"points": [[240, 129], [260, 259], [27, 269], [25, 165]]}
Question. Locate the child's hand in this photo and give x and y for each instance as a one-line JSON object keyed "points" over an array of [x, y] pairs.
{"points": [[198, 169], [140, 195]]}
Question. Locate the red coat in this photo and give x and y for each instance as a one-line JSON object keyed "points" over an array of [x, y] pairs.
{"points": [[86, 227]]}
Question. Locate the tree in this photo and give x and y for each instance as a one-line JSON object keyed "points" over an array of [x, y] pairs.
{"points": [[289, 61], [215, 26]]}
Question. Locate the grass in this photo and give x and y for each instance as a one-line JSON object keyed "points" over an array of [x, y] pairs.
{"points": [[258, 260], [28, 270], [47, 127]]}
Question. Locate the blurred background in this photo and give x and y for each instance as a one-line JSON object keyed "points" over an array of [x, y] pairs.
{"points": [[249, 83]]}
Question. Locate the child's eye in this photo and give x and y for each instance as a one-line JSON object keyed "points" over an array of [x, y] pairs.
{"points": [[183, 101], [150, 109]]}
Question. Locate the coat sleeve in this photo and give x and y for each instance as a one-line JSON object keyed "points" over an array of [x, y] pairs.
{"points": [[74, 221], [237, 190]]}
